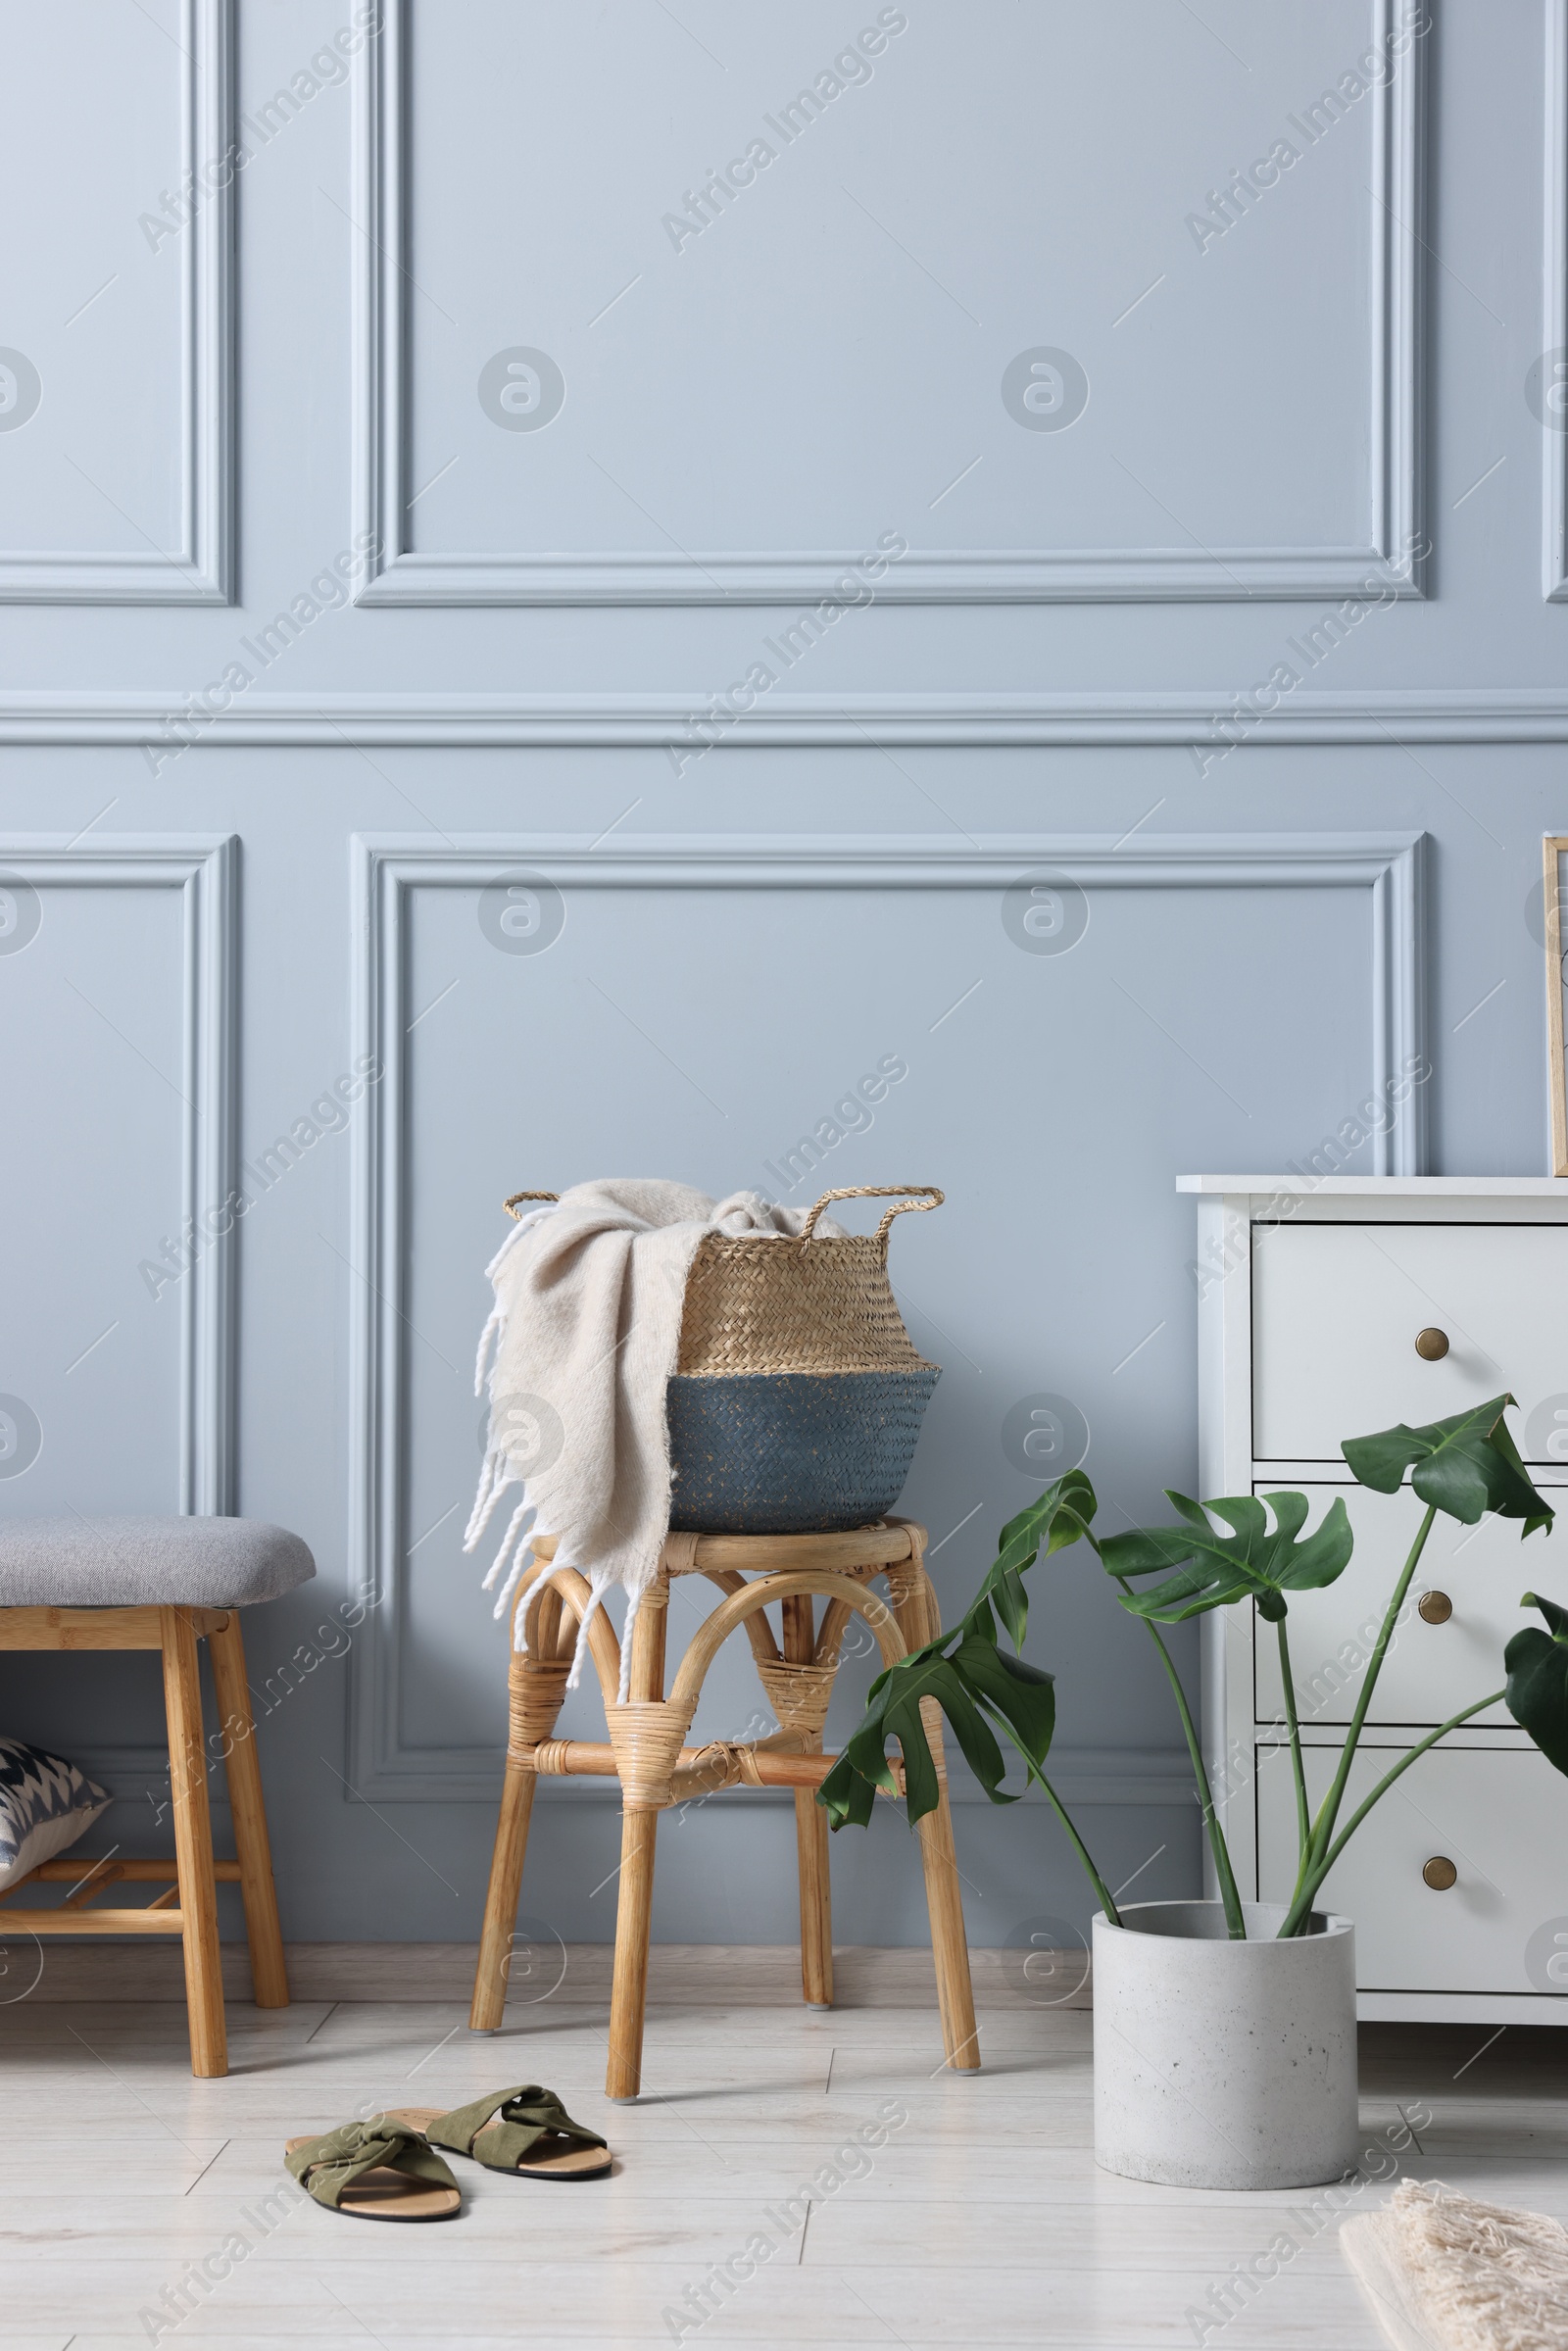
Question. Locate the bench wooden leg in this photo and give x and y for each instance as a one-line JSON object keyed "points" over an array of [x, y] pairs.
{"points": [[268, 1974], [810, 1835], [193, 1846]]}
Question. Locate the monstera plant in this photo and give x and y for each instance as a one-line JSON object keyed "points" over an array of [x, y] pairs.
{"points": [[1466, 1467]]}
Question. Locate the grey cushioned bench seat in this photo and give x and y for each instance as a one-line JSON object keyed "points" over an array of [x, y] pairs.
{"points": [[147, 1562]]}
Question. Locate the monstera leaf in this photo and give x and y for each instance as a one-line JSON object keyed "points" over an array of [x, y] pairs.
{"points": [[1212, 1569], [1063, 1512], [1538, 1679], [1464, 1466], [969, 1675], [978, 1679]]}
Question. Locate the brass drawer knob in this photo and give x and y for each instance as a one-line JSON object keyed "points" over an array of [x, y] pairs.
{"points": [[1434, 1607], [1431, 1345], [1440, 1874]]}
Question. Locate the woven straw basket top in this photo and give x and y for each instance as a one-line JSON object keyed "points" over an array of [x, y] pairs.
{"points": [[812, 1304]]}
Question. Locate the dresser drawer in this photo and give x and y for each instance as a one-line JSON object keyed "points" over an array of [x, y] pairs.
{"points": [[1337, 1307], [1431, 1670], [1500, 1815]]}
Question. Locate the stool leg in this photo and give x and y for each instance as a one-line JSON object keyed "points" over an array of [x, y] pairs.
{"points": [[811, 1837], [193, 1846], [948, 1944], [914, 1604], [268, 1974], [639, 1831], [501, 1901], [628, 1997], [511, 1838]]}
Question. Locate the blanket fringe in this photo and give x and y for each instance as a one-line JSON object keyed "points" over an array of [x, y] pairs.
{"points": [[623, 1687], [493, 1484], [520, 1568], [514, 1530], [492, 1330], [599, 1583]]}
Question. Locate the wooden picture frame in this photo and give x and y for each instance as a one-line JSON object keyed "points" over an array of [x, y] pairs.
{"points": [[1554, 847]]}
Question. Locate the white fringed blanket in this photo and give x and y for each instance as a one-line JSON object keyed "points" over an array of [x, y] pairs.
{"points": [[585, 1332], [1444, 2273]]}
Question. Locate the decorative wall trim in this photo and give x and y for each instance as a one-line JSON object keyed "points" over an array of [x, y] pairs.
{"points": [[199, 570], [204, 870], [1398, 196], [707, 1976], [385, 868], [1554, 298], [381, 435], [1385, 717]]}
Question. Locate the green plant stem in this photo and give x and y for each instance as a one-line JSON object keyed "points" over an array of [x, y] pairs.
{"points": [[1236, 1924], [1101, 1890], [1307, 1894], [1303, 1817], [1328, 1810]]}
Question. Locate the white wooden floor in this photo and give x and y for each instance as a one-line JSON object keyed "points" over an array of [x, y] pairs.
{"points": [[982, 2220]]}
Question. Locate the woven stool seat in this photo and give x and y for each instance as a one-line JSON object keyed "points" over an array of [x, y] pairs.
{"points": [[647, 1749]]}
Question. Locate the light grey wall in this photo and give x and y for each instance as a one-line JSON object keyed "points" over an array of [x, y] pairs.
{"points": [[238, 898]]}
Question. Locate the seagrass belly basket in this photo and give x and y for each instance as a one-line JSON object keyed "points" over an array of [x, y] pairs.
{"points": [[798, 1395]]}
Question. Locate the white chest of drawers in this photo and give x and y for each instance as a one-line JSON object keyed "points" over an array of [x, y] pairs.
{"points": [[1312, 1294]]}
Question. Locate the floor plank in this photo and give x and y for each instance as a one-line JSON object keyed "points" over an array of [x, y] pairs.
{"points": [[821, 2181]]}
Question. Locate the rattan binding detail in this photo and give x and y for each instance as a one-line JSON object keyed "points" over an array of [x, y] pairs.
{"points": [[647, 1736], [538, 1690], [799, 1694]]}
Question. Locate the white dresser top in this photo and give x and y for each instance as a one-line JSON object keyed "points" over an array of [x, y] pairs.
{"points": [[1385, 1187]]}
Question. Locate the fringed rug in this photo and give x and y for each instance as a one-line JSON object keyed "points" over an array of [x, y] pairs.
{"points": [[1444, 2273]]}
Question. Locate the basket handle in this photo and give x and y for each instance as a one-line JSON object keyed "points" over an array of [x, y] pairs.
{"points": [[918, 1197], [908, 1196], [510, 1205]]}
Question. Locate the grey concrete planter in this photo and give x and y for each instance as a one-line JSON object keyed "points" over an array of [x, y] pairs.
{"points": [[1222, 2064]]}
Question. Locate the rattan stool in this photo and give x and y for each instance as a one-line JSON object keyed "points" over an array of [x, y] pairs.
{"points": [[656, 1769]]}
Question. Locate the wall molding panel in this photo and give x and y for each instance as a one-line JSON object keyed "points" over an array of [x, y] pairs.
{"points": [[387, 868], [382, 438], [1211, 720], [1555, 299], [204, 870], [1398, 198], [200, 568]]}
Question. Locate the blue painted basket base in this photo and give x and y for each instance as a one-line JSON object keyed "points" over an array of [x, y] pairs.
{"points": [[792, 1453]]}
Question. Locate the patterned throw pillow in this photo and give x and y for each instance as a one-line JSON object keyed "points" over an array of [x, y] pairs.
{"points": [[45, 1805]]}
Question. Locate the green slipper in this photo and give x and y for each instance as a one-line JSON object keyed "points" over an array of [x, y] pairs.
{"points": [[524, 2131], [374, 2171]]}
